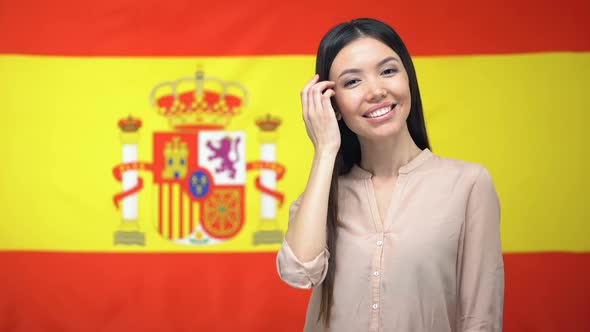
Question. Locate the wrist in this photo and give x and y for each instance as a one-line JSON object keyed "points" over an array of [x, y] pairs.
{"points": [[326, 153]]}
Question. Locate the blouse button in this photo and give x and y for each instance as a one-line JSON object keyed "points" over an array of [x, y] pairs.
{"points": [[376, 273], [375, 306], [379, 243]]}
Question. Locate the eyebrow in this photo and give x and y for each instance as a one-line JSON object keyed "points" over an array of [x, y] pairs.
{"points": [[354, 70]]}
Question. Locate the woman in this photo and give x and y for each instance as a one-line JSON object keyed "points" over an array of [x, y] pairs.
{"points": [[390, 236]]}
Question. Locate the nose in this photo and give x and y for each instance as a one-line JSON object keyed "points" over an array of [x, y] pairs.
{"points": [[375, 91]]}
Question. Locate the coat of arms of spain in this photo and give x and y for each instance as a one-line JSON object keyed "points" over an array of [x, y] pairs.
{"points": [[199, 168]]}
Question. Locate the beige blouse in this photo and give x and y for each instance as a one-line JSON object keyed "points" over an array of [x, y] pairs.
{"points": [[434, 264]]}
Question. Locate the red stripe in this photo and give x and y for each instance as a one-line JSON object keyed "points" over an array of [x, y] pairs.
{"points": [[170, 209], [145, 292], [190, 216], [160, 210], [186, 27], [181, 214], [545, 292]]}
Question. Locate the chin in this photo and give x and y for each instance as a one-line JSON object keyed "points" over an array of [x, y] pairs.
{"points": [[385, 131]]}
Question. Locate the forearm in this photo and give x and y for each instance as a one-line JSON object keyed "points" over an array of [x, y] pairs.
{"points": [[307, 231]]}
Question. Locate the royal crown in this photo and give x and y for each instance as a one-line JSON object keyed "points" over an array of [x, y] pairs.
{"points": [[130, 124], [199, 102], [268, 123]]}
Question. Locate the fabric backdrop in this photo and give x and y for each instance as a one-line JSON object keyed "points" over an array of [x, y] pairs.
{"points": [[125, 205]]}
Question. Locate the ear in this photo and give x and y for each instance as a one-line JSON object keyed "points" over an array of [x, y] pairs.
{"points": [[336, 110]]}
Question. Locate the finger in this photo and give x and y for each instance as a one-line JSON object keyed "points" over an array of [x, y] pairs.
{"points": [[314, 96], [329, 93], [326, 102], [305, 94], [316, 93], [309, 126], [311, 82], [321, 86]]}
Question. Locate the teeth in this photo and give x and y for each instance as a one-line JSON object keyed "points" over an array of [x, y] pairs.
{"points": [[379, 112]]}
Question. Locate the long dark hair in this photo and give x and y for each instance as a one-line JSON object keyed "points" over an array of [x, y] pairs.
{"points": [[349, 153]]}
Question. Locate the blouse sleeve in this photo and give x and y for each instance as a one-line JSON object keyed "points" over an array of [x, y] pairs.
{"points": [[296, 273], [480, 263]]}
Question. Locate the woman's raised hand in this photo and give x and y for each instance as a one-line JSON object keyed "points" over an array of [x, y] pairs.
{"points": [[319, 116]]}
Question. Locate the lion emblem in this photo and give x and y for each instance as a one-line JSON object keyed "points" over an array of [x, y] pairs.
{"points": [[222, 152]]}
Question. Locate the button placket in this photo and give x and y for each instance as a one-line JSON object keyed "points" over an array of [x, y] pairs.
{"points": [[375, 281]]}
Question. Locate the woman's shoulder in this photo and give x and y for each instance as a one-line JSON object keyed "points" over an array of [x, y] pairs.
{"points": [[456, 167], [455, 164]]}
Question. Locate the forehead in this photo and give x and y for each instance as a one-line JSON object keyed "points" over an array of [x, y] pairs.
{"points": [[360, 54]]}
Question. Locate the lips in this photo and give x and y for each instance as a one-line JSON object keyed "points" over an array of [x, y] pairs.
{"points": [[379, 111]]}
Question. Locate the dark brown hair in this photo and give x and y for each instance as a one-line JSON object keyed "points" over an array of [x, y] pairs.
{"points": [[349, 153]]}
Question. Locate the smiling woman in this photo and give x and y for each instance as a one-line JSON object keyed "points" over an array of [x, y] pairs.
{"points": [[373, 96], [390, 236]]}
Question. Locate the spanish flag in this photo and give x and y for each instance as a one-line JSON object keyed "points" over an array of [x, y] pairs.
{"points": [[150, 150]]}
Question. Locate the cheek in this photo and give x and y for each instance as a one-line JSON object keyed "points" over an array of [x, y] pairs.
{"points": [[347, 102], [405, 87]]}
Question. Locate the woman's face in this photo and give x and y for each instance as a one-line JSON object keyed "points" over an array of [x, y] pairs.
{"points": [[372, 89]]}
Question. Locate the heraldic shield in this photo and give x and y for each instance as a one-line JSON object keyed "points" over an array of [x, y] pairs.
{"points": [[200, 180]]}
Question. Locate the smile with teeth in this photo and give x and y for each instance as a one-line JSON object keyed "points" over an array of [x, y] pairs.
{"points": [[380, 112]]}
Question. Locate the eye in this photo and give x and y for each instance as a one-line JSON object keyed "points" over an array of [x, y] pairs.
{"points": [[350, 82], [389, 71]]}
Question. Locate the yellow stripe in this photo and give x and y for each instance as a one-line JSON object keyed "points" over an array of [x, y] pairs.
{"points": [[523, 116]]}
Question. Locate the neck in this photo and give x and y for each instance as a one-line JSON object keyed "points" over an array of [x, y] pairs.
{"points": [[384, 157]]}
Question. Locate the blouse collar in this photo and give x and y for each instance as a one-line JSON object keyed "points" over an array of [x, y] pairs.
{"points": [[358, 172]]}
